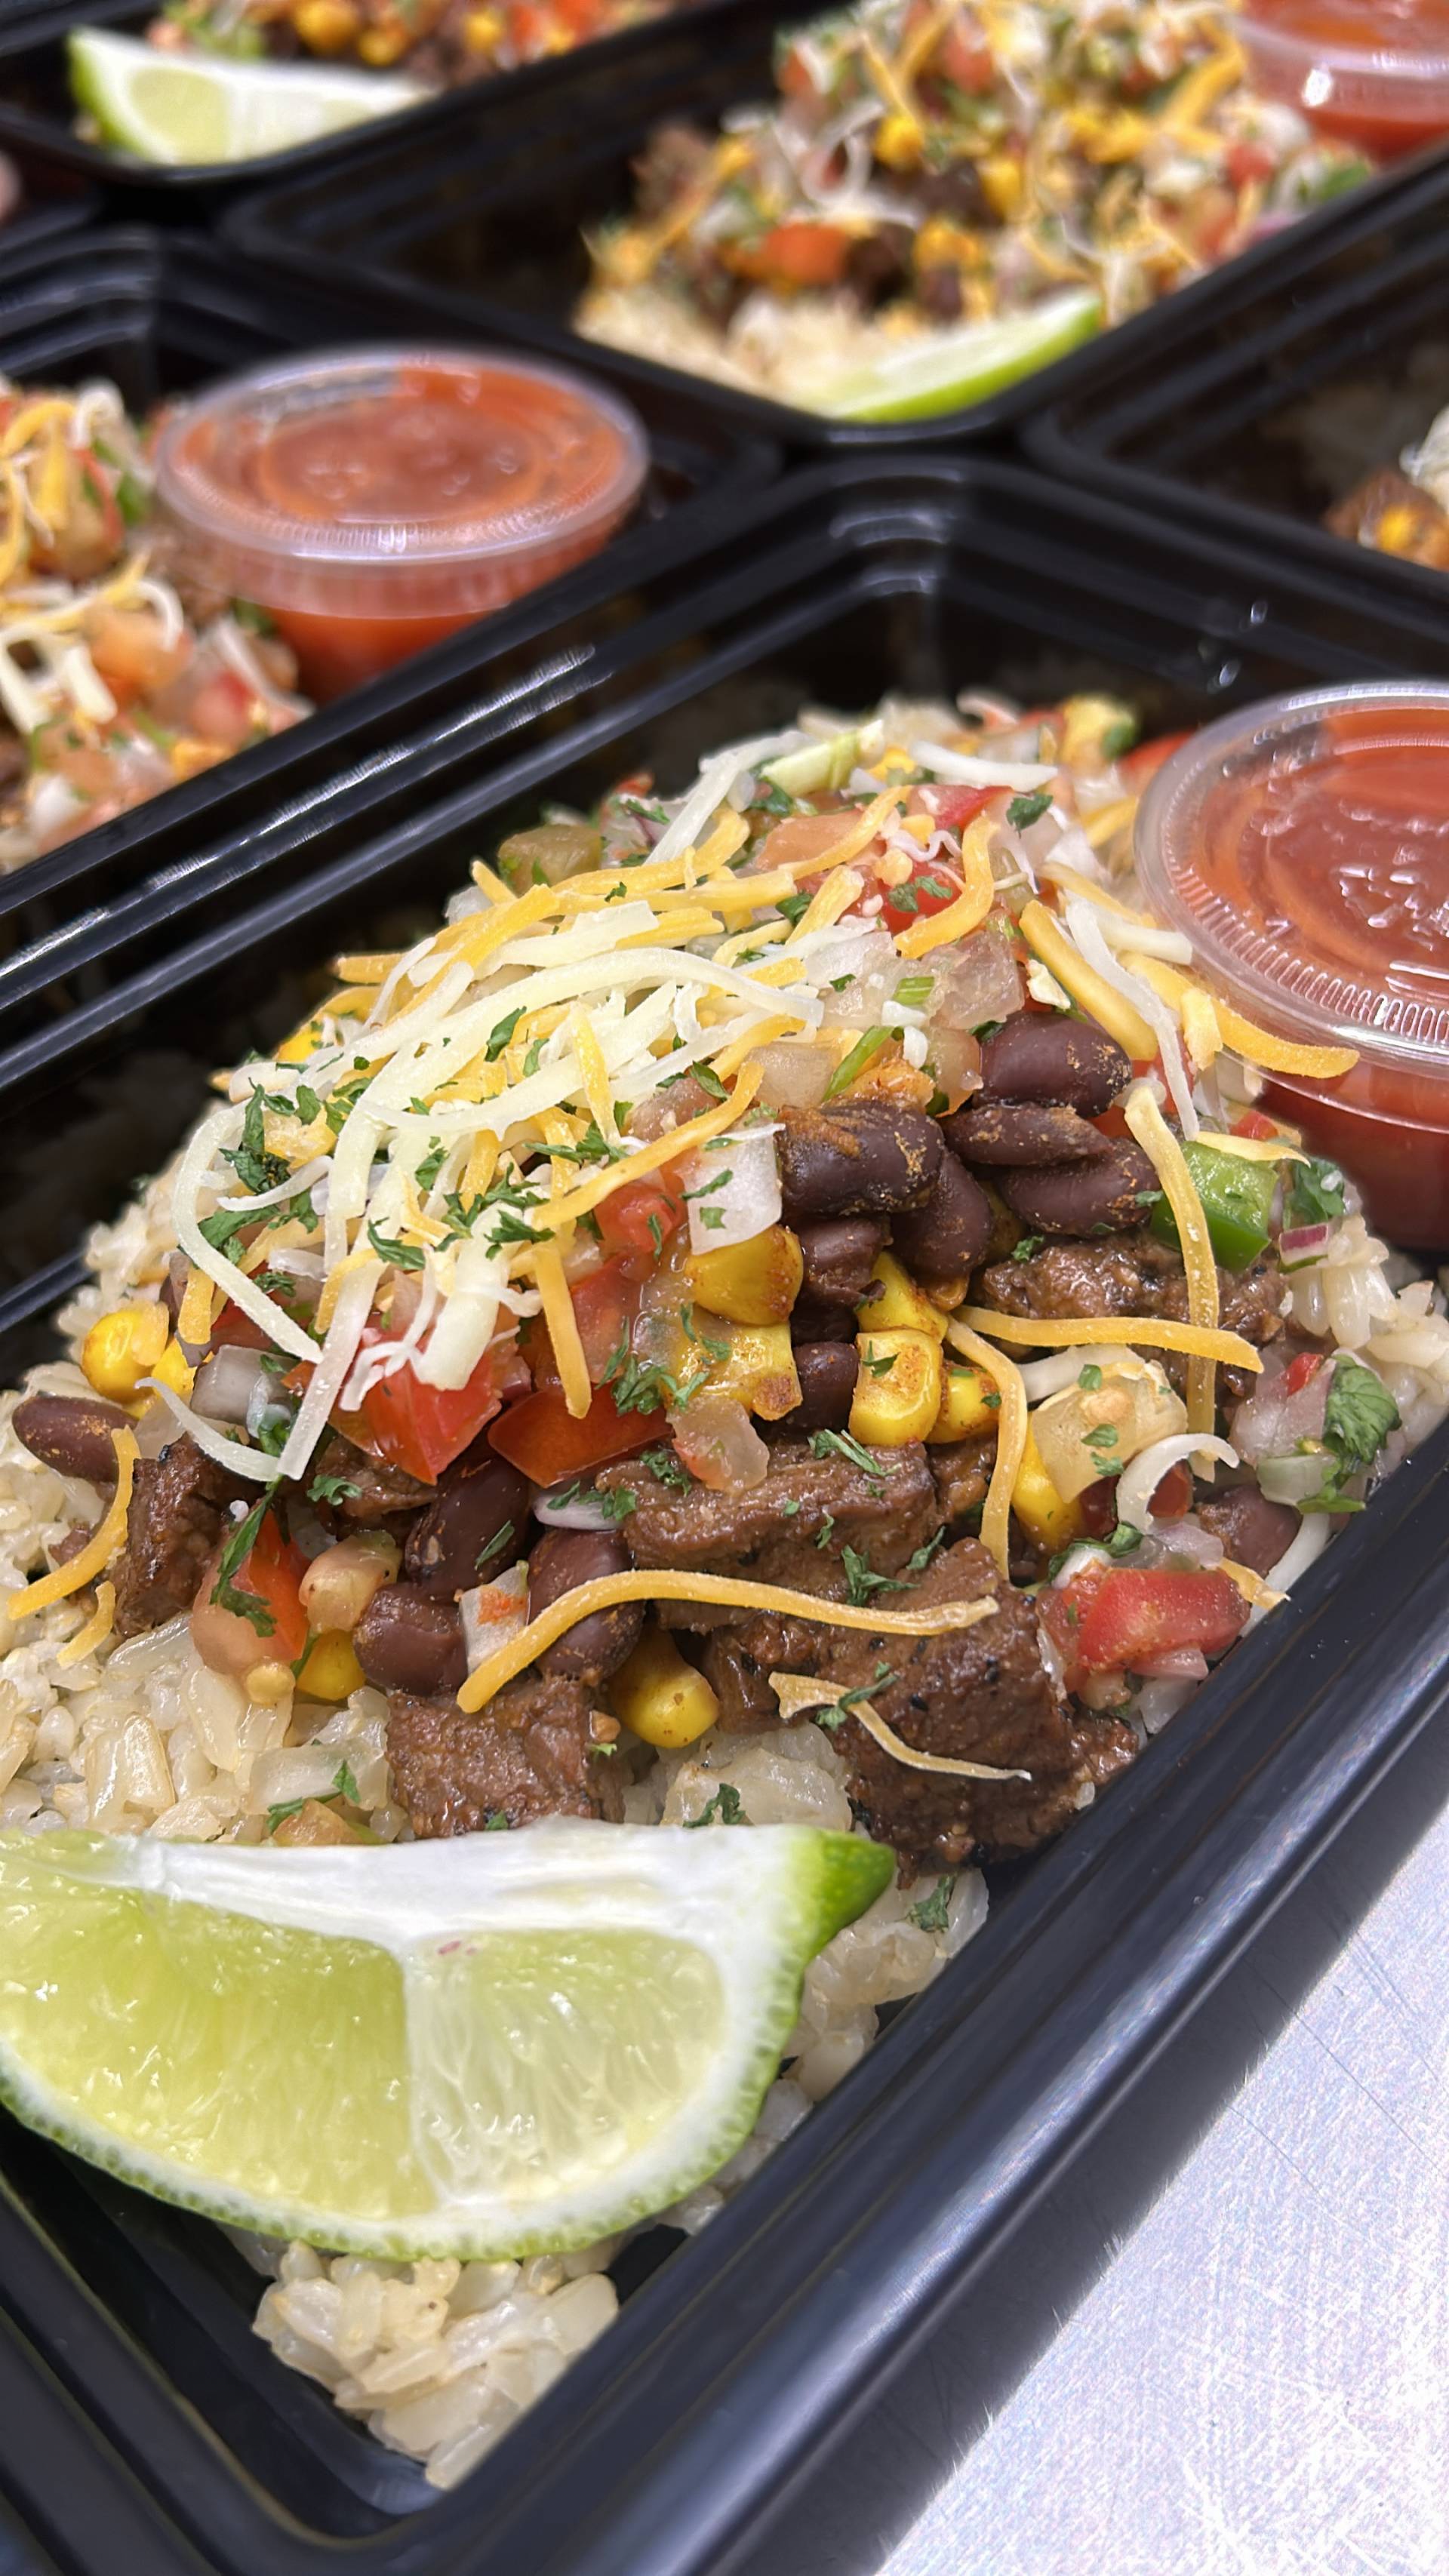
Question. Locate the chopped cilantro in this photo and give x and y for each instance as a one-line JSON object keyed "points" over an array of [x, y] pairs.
{"points": [[332, 1489], [666, 1468], [850, 1066], [709, 1081], [495, 1547], [724, 1808], [501, 1035], [344, 1785], [1029, 1244], [1090, 1377], [278, 1815], [843, 1444], [1023, 811], [240, 1540], [931, 1913], [497, 1823], [1313, 1192], [403, 1256]]}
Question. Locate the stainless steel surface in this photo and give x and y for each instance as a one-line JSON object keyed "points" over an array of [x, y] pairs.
{"points": [[1259, 2384]]}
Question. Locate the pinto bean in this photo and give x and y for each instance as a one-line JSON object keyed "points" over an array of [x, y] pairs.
{"points": [[840, 1253], [827, 1372], [946, 1238], [406, 1641], [72, 1434], [1047, 1057], [1254, 1532], [865, 1158], [1022, 1135], [1108, 1197], [596, 1647], [460, 1540]]}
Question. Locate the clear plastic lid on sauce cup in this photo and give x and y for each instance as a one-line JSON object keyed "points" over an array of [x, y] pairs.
{"points": [[375, 500], [1303, 846], [1370, 72]]}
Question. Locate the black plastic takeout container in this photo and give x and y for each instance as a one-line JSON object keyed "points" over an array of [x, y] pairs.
{"points": [[161, 312], [485, 218], [1253, 420], [897, 2262], [38, 114]]}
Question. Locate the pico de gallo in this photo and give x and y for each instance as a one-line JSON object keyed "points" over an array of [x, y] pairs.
{"points": [[117, 679], [940, 198], [806, 1249]]}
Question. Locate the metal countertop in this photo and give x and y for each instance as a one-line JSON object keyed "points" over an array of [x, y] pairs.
{"points": [[1259, 2384]]}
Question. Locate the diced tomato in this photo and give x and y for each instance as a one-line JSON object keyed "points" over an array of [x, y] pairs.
{"points": [[955, 807], [965, 59], [802, 254], [233, 1326], [1144, 763], [926, 890], [1245, 162], [1301, 1372], [604, 1305], [420, 1428], [636, 1221], [1117, 1620], [1253, 1123], [273, 1570], [793, 76], [544, 1441]]}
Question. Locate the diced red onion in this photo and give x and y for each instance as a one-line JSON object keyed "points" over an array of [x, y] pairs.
{"points": [[1178, 1664], [1304, 1242]]}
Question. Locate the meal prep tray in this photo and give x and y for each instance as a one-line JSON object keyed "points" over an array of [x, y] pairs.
{"points": [[937, 2213], [37, 113], [485, 220], [161, 312], [1254, 419]]}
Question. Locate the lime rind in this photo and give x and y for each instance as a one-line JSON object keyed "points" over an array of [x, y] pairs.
{"points": [[215, 2018], [951, 370]]}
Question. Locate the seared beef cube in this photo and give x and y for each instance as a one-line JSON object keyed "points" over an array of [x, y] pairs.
{"points": [[177, 1515], [1137, 1275], [379, 1493], [962, 1471], [538, 1749]]}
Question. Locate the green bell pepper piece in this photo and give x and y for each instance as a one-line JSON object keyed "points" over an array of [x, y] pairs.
{"points": [[1237, 1200]]}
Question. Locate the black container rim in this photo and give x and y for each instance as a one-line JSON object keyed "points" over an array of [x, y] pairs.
{"points": [[271, 224]]}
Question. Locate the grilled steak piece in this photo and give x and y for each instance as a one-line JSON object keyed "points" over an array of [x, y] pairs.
{"points": [[789, 1530], [1136, 1275], [535, 1750], [962, 1471], [177, 1516], [978, 1695]]}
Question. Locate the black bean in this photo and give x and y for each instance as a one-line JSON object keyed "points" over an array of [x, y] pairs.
{"points": [[596, 1647], [943, 1241], [866, 1158], [405, 1641], [72, 1433], [1022, 1135], [1254, 1532], [812, 1323], [1109, 1197], [1045, 1056], [840, 1253], [477, 1527], [827, 1372]]}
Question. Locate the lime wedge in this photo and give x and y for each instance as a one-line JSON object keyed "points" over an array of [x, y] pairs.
{"points": [[200, 108], [953, 368], [500, 2045]]}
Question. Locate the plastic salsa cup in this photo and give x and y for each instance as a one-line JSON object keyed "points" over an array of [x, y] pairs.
{"points": [[1303, 846], [1370, 72], [373, 501]]}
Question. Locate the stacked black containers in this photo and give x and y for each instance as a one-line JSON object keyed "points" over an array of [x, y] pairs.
{"points": [[1017, 2114]]}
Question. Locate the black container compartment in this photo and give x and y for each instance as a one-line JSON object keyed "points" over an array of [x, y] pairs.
{"points": [[38, 114], [955, 2186], [1255, 420], [484, 220], [52, 202], [161, 312]]}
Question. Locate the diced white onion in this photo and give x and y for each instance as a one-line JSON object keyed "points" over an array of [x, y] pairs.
{"points": [[1294, 1479], [564, 1507], [226, 1383], [746, 1200], [965, 769], [493, 1614], [1048, 1377]]}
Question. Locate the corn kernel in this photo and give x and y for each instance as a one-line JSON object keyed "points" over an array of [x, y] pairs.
{"points": [[326, 26], [749, 1283], [268, 1684], [175, 1370], [482, 31], [382, 46], [302, 1043], [894, 1304], [900, 1402], [899, 142], [331, 1670], [660, 1697], [758, 1367], [122, 1348], [1039, 1507], [1001, 185], [970, 1405]]}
